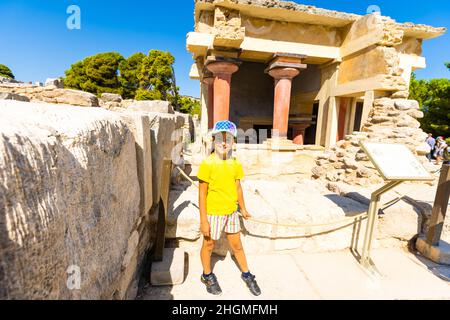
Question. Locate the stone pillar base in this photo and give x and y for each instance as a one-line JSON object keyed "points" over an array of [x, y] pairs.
{"points": [[281, 145], [439, 254]]}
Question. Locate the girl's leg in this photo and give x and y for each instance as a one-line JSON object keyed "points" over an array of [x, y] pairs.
{"points": [[234, 239], [205, 254]]}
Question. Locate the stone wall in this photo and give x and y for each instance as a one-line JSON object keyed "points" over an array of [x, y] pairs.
{"points": [[392, 120], [76, 193]]}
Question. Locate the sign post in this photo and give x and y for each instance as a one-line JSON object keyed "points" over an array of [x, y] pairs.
{"points": [[440, 207], [431, 245], [396, 164]]}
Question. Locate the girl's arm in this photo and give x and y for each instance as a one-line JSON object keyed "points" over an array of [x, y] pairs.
{"points": [[241, 201], [204, 225]]}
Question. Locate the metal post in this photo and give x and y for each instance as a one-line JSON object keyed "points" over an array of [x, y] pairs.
{"points": [[372, 216], [440, 207], [162, 210]]}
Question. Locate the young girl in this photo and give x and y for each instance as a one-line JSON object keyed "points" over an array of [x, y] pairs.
{"points": [[220, 193]]}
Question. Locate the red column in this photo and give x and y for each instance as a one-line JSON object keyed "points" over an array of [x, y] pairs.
{"points": [[209, 82], [343, 104], [283, 83], [222, 72], [299, 133]]}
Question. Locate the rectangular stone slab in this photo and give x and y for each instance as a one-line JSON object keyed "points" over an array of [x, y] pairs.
{"points": [[170, 271]]}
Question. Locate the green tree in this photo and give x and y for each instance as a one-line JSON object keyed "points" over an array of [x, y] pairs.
{"points": [[189, 105], [130, 69], [434, 99], [6, 72], [156, 76], [447, 65], [96, 74]]}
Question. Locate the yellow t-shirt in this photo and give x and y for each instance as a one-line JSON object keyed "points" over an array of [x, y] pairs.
{"points": [[221, 176]]}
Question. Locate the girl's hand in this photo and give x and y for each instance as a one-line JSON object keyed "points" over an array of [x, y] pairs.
{"points": [[205, 229], [245, 214]]}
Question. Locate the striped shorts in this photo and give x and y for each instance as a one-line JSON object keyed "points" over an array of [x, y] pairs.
{"points": [[229, 223]]}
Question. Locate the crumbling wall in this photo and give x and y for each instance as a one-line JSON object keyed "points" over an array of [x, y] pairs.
{"points": [[392, 120]]}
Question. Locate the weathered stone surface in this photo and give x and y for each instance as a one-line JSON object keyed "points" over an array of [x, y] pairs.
{"points": [[111, 97], [295, 203], [7, 80], [152, 106], [77, 98], [170, 271], [183, 217], [416, 114], [400, 95], [55, 82], [403, 104], [68, 197], [350, 163], [167, 142], [13, 96], [423, 149], [318, 172]]}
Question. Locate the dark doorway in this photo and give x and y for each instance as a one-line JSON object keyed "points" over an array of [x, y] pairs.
{"points": [[263, 132], [310, 133], [358, 116]]}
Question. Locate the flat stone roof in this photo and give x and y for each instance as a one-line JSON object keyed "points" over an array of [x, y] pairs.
{"points": [[294, 12]]}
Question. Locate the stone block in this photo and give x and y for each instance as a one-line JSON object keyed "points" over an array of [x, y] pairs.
{"points": [[54, 82], [78, 206], [139, 123], [13, 96], [152, 106], [439, 254], [170, 271], [111, 97]]}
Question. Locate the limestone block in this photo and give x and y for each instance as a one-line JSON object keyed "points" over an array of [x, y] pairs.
{"points": [[111, 97], [13, 96], [407, 121], [139, 124], [350, 163], [170, 271], [167, 142], [69, 197], [403, 104], [423, 149], [381, 119], [416, 114], [72, 97], [183, 220], [439, 254], [318, 172], [152, 106], [400, 95], [228, 30], [54, 82], [363, 172]]}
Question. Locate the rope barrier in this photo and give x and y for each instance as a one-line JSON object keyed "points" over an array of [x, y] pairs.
{"points": [[338, 222]]}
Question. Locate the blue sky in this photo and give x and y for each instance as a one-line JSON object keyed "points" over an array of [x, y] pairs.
{"points": [[36, 44]]}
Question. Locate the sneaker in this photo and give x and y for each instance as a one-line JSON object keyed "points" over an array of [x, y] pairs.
{"points": [[212, 285], [252, 284]]}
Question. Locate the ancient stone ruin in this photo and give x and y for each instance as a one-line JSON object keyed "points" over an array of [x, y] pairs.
{"points": [[80, 175], [79, 186], [318, 78]]}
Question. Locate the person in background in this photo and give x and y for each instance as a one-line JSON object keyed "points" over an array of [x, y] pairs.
{"points": [[432, 143], [441, 146]]}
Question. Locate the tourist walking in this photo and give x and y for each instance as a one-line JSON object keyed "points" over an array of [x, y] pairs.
{"points": [[432, 143]]}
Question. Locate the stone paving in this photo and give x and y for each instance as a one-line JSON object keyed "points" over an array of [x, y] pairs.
{"points": [[330, 276]]}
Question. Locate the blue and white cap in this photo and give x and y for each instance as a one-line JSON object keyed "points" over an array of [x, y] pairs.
{"points": [[225, 126]]}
